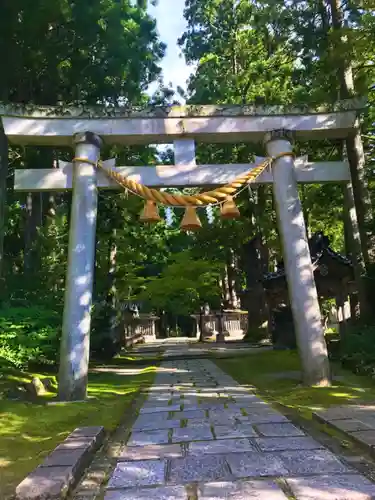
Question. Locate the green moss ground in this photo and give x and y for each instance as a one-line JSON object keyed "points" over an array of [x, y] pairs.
{"points": [[258, 370], [29, 432]]}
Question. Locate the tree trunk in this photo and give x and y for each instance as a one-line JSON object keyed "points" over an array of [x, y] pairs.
{"points": [[306, 213], [255, 296], [232, 280], [260, 208], [256, 257], [34, 220], [3, 194], [354, 143], [354, 248], [112, 267], [224, 283]]}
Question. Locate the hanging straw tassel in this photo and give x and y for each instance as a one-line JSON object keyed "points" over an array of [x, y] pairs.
{"points": [[229, 209], [191, 221], [150, 212]]}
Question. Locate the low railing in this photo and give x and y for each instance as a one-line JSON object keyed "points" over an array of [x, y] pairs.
{"points": [[141, 329], [234, 324]]}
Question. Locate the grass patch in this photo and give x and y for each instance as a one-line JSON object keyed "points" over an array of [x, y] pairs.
{"points": [[260, 369], [29, 432]]}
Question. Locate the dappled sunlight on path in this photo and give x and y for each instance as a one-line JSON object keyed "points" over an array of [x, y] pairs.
{"points": [[200, 434]]}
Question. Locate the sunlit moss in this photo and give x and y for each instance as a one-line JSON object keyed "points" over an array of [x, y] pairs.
{"points": [[29, 432], [260, 371]]}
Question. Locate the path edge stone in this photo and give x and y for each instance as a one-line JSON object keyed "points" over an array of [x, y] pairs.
{"points": [[61, 470], [355, 437]]}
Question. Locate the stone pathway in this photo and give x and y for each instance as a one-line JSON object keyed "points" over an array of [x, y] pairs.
{"points": [[201, 435]]}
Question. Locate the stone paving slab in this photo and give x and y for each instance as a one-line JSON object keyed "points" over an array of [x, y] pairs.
{"points": [[243, 402], [149, 424], [192, 469], [220, 446], [235, 431], [217, 414], [190, 403], [225, 420], [148, 437], [204, 422], [199, 433], [142, 473], [241, 490], [255, 416], [186, 414], [158, 409], [158, 400], [345, 487], [151, 452], [279, 430], [287, 443], [255, 464], [312, 462], [147, 419], [160, 493], [212, 405]]}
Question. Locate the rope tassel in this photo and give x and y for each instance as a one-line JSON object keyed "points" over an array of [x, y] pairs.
{"points": [[191, 221], [150, 213], [229, 209]]}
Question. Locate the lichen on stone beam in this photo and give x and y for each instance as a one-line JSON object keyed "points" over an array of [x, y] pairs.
{"points": [[82, 110]]}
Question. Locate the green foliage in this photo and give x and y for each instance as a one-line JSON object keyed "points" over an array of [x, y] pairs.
{"points": [[105, 340], [357, 350], [183, 285], [102, 51], [29, 335]]}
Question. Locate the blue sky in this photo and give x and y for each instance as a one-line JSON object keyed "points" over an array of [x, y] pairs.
{"points": [[171, 24]]}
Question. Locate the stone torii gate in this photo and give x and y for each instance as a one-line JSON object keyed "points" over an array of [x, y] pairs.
{"points": [[86, 130]]}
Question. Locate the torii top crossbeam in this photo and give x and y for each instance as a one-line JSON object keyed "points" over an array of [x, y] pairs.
{"points": [[55, 126]]}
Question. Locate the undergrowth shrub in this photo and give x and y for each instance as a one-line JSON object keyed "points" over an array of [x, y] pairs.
{"points": [[105, 338], [357, 349], [29, 335]]}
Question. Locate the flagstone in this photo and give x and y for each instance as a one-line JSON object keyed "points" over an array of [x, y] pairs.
{"points": [[142, 473], [200, 433], [148, 437], [205, 468], [160, 493], [240, 490], [341, 487]]}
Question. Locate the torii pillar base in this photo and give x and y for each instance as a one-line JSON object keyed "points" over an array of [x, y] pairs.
{"points": [[298, 267], [75, 342]]}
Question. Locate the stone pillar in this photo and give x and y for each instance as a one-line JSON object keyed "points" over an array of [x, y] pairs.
{"points": [[75, 342], [299, 272]]}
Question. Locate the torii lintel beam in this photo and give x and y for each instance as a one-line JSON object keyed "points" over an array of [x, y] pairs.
{"points": [[215, 124], [60, 179]]}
